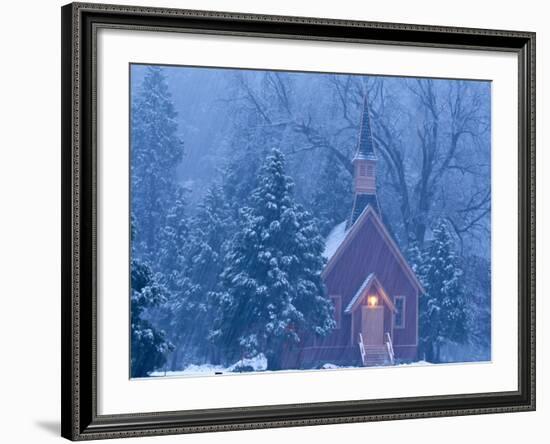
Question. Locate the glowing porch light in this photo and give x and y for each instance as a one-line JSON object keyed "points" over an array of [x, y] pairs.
{"points": [[372, 301]]}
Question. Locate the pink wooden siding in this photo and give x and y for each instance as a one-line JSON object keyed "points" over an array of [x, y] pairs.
{"points": [[369, 252]]}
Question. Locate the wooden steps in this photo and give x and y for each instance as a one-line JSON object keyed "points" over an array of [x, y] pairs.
{"points": [[376, 355]]}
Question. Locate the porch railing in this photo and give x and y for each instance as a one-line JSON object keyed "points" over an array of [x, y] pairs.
{"points": [[362, 349], [389, 347], [388, 344]]}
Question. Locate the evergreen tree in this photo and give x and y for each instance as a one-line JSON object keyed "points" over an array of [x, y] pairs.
{"points": [[332, 199], [415, 258], [172, 242], [477, 277], [211, 228], [156, 151], [191, 258], [174, 314], [443, 313], [208, 243], [273, 288], [148, 344], [241, 176]]}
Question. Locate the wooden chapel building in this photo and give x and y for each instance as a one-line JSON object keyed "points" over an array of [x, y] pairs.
{"points": [[374, 290]]}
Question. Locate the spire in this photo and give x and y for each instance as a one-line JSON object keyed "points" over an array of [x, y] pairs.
{"points": [[364, 163], [365, 146]]}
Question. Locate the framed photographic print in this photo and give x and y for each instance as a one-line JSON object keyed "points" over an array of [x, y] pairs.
{"points": [[280, 221]]}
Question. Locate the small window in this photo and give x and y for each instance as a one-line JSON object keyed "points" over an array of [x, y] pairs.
{"points": [[337, 303], [362, 169], [400, 312], [370, 170]]}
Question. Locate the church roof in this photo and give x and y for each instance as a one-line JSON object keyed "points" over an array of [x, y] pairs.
{"points": [[360, 203], [359, 292], [367, 283], [341, 235], [334, 239]]}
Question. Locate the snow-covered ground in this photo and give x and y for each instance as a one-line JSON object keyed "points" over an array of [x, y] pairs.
{"points": [[416, 363], [257, 364]]}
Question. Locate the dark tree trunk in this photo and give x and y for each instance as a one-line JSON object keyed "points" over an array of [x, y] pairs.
{"points": [[174, 360], [274, 359]]}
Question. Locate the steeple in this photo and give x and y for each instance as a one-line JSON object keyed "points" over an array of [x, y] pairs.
{"points": [[364, 168], [365, 146]]}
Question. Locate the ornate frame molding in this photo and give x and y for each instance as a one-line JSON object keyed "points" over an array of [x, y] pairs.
{"points": [[80, 420]]}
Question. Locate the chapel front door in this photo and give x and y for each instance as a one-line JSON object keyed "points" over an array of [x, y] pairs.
{"points": [[372, 327]]}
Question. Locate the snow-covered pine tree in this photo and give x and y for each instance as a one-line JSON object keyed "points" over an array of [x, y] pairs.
{"points": [[156, 150], [310, 298], [148, 344], [477, 276], [241, 175], [415, 258], [333, 198], [211, 229], [273, 288], [173, 315], [172, 241], [212, 226], [443, 310]]}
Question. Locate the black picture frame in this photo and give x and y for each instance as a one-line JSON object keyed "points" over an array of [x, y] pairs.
{"points": [[80, 420]]}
